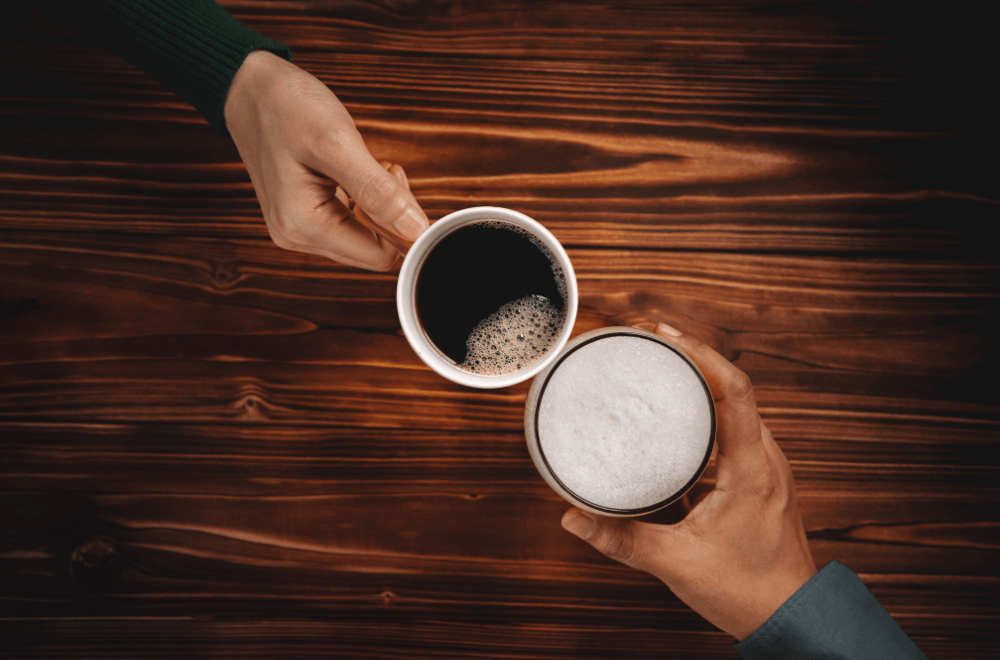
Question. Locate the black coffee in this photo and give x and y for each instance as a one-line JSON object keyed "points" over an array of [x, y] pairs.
{"points": [[490, 298]]}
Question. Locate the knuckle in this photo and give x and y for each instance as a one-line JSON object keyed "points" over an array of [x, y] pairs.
{"points": [[278, 238], [378, 194], [779, 503], [739, 386], [335, 141], [788, 497], [620, 545], [784, 465], [338, 140], [297, 230], [772, 490], [384, 263], [785, 501]]}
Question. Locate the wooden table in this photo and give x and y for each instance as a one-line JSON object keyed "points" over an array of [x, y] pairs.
{"points": [[212, 446]]}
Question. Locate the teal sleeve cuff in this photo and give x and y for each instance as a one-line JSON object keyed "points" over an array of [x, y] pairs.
{"points": [[832, 617], [193, 47]]}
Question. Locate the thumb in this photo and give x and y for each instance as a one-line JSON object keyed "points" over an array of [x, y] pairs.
{"points": [[621, 539], [386, 199]]}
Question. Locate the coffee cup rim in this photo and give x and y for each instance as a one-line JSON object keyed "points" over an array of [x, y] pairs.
{"points": [[406, 295]]}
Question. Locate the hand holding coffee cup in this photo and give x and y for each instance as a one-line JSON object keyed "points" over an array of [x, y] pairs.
{"points": [[303, 151], [742, 551]]}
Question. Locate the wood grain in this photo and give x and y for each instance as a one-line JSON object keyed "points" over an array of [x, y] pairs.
{"points": [[210, 446]]}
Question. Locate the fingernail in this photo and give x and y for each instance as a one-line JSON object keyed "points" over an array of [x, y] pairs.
{"points": [[579, 524], [411, 225], [670, 330]]}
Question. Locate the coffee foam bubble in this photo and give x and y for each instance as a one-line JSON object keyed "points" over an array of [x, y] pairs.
{"points": [[514, 337], [521, 332], [624, 422]]}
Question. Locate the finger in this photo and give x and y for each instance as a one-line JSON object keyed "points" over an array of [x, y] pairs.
{"points": [[621, 539], [768, 439], [350, 242], [779, 462], [400, 244], [741, 449], [397, 171], [386, 200], [334, 234]]}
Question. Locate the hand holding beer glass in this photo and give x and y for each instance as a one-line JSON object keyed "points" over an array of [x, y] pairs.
{"points": [[742, 551]]}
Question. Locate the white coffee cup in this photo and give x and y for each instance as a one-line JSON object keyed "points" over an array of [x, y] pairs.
{"points": [[407, 286]]}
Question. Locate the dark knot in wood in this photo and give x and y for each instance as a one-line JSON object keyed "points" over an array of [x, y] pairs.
{"points": [[93, 559]]}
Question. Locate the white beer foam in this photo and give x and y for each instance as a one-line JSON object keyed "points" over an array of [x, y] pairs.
{"points": [[624, 422], [513, 337]]}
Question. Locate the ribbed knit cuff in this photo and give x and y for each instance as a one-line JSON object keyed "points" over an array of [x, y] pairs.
{"points": [[193, 47]]}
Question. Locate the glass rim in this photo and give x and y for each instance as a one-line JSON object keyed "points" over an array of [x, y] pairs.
{"points": [[536, 396]]}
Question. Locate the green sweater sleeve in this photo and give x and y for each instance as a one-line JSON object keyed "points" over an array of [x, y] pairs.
{"points": [[193, 47], [832, 617]]}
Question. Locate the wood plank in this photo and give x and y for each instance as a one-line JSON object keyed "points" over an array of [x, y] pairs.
{"points": [[219, 329], [209, 446], [628, 153]]}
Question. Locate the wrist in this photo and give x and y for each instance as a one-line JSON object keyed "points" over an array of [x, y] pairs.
{"points": [[772, 596], [247, 88]]}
